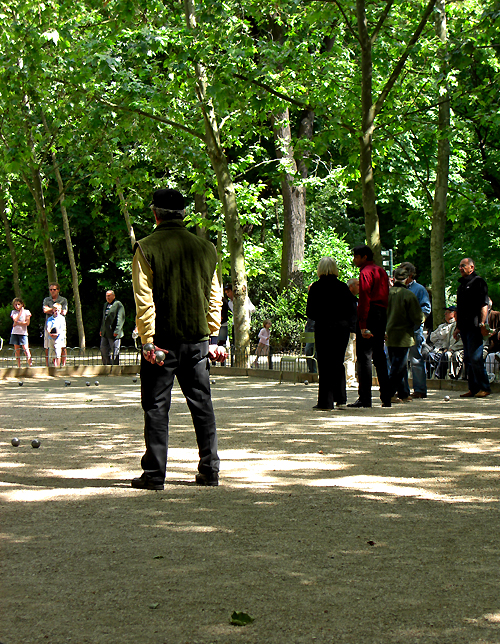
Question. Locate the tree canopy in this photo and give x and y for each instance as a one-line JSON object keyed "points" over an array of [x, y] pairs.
{"points": [[295, 129]]}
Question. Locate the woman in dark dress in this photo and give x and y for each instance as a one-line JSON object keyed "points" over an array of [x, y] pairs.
{"points": [[332, 306]]}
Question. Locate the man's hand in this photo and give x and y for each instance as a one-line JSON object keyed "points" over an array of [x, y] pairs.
{"points": [[485, 330], [366, 334], [216, 353], [149, 352], [456, 333]]}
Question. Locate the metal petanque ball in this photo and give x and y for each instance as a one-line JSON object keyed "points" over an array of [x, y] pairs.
{"points": [[87, 383], [306, 382], [159, 356], [134, 379], [96, 383], [67, 383], [446, 398], [20, 383], [148, 347], [15, 442], [212, 382], [35, 443]]}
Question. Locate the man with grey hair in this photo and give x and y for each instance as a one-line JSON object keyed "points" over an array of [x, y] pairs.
{"points": [[111, 332], [472, 313]]}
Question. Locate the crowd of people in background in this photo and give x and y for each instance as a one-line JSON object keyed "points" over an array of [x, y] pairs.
{"points": [[374, 319], [55, 308], [388, 320]]}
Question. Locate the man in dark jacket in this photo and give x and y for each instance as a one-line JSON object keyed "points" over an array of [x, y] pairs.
{"points": [[113, 317], [472, 313], [404, 315], [178, 302]]}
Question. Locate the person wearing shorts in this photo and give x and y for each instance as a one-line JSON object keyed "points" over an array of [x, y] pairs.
{"points": [[21, 318]]}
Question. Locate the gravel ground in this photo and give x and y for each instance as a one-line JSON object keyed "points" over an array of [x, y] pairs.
{"points": [[359, 526]]}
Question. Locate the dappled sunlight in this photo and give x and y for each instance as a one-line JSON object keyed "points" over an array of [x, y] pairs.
{"points": [[190, 527], [400, 487], [52, 494], [482, 446]]}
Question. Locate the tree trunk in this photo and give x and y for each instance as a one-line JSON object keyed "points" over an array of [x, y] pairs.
{"points": [[12, 249], [372, 228], [442, 171], [71, 256], [36, 189], [200, 206], [126, 214], [294, 205], [227, 195]]}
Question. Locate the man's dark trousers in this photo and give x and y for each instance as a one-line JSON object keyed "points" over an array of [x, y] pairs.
{"points": [[473, 360], [399, 368], [189, 362], [368, 349]]}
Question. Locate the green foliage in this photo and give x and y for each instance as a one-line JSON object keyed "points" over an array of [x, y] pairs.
{"points": [[287, 312], [5, 323], [327, 243]]}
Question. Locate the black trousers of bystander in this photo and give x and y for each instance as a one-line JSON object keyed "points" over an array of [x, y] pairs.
{"points": [[368, 349]]}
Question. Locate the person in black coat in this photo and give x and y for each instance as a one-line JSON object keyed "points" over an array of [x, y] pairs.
{"points": [[332, 306]]}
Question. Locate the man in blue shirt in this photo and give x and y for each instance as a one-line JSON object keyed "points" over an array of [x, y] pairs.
{"points": [[415, 353]]}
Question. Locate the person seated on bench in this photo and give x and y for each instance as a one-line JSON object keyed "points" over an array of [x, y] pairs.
{"points": [[445, 353]]}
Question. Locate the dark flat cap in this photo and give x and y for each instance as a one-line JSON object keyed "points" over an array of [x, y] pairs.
{"points": [[168, 199]]}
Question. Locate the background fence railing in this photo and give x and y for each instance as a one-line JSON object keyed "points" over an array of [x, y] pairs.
{"points": [[76, 357], [279, 361]]}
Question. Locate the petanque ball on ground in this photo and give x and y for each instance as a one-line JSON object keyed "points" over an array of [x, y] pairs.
{"points": [[306, 382], [20, 383], [447, 398], [67, 383], [212, 382], [15, 442], [87, 383], [134, 379], [96, 383], [35, 443]]}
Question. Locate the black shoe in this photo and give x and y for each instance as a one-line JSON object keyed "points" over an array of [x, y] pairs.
{"points": [[143, 482], [318, 408], [359, 403], [205, 479]]}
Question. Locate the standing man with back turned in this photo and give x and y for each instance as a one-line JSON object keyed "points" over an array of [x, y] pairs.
{"points": [[370, 331], [113, 317], [472, 313], [415, 353], [178, 302]]}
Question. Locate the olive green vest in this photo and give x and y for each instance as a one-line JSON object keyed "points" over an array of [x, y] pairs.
{"points": [[183, 266]]}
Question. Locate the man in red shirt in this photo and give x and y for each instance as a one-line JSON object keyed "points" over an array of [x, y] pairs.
{"points": [[370, 331]]}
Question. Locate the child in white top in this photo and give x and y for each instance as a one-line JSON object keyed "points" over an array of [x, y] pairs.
{"points": [[21, 318], [263, 346], [56, 329]]}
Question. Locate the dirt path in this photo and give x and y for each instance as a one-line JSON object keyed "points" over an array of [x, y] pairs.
{"points": [[363, 526]]}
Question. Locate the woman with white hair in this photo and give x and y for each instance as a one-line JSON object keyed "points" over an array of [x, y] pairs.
{"points": [[332, 306]]}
